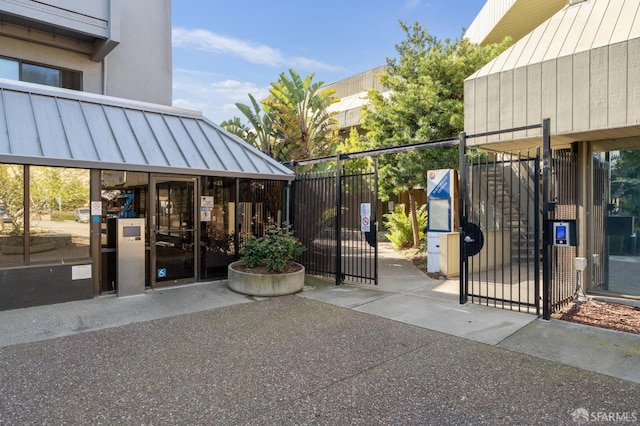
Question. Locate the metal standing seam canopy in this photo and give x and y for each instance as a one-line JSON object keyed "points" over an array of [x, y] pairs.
{"points": [[57, 127]]}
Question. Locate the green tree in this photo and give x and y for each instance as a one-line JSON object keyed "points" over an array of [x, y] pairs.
{"points": [[259, 132], [294, 121], [302, 120], [355, 143], [11, 194], [425, 103], [50, 184]]}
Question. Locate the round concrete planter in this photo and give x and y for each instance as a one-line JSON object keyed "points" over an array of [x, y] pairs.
{"points": [[265, 285]]}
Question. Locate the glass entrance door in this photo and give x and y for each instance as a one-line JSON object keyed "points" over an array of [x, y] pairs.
{"points": [[173, 231]]}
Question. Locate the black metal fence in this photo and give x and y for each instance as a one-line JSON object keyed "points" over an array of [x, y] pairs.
{"points": [[327, 211], [313, 216], [563, 202]]}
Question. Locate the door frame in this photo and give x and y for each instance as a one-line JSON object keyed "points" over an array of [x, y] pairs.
{"points": [[155, 179]]}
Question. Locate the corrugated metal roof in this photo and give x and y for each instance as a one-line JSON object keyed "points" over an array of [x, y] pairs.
{"points": [[576, 28], [57, 127]]}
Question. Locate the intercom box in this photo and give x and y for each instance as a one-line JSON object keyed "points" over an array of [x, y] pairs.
{"points": [[562, 233]]}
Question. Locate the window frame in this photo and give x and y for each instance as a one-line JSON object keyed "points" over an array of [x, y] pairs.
{"points": [[62, 78]]}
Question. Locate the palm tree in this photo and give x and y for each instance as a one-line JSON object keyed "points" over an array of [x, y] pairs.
{"points": [[301, 120], [259, 134]]}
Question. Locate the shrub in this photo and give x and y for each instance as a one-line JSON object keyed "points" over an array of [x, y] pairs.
{"points": [[398, 224], [274, 250]]}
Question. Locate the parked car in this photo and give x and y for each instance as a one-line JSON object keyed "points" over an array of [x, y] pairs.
{"points": [[82, 215], [4, 215]]}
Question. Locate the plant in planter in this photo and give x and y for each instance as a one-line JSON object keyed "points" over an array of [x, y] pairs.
{"points": [[267, 266]]}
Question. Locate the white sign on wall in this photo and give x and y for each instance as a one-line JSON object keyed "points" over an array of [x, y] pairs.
{"points": [[96, 208]]}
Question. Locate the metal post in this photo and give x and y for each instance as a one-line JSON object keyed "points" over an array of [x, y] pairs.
{"points": [[338, 230], [536, 232], [375, 218], [236, 234], [462, 212], [546, 171], [287, 202]]}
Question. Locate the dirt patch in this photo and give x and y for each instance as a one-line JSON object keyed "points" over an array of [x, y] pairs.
{"points": [[613, 316]]}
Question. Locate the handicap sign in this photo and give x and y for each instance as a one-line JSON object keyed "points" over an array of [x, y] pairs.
{"points": [[162, 272]]}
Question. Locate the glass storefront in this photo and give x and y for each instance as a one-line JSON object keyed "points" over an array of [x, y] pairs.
{"points": [[51, 227], [616, 223], [194, 225], [11, 215]]}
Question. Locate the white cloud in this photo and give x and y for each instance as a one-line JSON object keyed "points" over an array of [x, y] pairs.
{"points": [[215, 97], [311, 64], [211, 42], [251, 52]]}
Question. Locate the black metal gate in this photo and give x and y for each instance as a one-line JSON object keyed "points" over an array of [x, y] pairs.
{"points": [[503, 200], [331, 212], [502, 217], [514, 198]]}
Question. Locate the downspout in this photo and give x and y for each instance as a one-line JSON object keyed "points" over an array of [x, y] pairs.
{"points": [[104, 76]]}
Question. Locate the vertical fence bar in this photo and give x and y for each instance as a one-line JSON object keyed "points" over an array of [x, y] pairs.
{"points": [[338, 230], [462, 215], [546, 159], [486, 226], [536, 230], [375, 219], [497, 231]]}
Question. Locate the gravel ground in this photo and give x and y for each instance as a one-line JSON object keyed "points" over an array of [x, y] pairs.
{"points": [[291, 360]]}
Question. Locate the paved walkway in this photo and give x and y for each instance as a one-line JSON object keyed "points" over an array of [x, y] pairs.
{"points": [[403, 353], [407, 295]]}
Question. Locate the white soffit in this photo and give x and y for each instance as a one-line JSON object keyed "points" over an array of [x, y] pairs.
{"points": [[576, 28], [515, 18], [57, 127]]}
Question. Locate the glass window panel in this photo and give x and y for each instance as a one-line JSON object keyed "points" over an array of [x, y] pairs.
{"points": [[59, 228], [217, 226], [71, 80], [10, 69], [11, 210], [41, 75], [622, 266]]}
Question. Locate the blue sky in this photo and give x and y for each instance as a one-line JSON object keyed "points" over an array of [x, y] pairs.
{"points": [[223, 50]]}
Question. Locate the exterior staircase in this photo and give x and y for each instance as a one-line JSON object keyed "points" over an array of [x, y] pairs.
{"points": [[509, 214]]}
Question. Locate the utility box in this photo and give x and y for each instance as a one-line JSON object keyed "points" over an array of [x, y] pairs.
{"points": [[131, 256]]}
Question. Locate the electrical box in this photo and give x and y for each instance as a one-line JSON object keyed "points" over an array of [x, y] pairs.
{"points": [[130, 249], [563, 233], [580, 263]]}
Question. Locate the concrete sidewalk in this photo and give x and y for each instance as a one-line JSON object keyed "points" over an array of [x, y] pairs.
{"points": [[404, 294], [407, 295], [283, 361]]}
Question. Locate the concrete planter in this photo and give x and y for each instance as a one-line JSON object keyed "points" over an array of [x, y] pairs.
{"points": [[265, 285]]}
